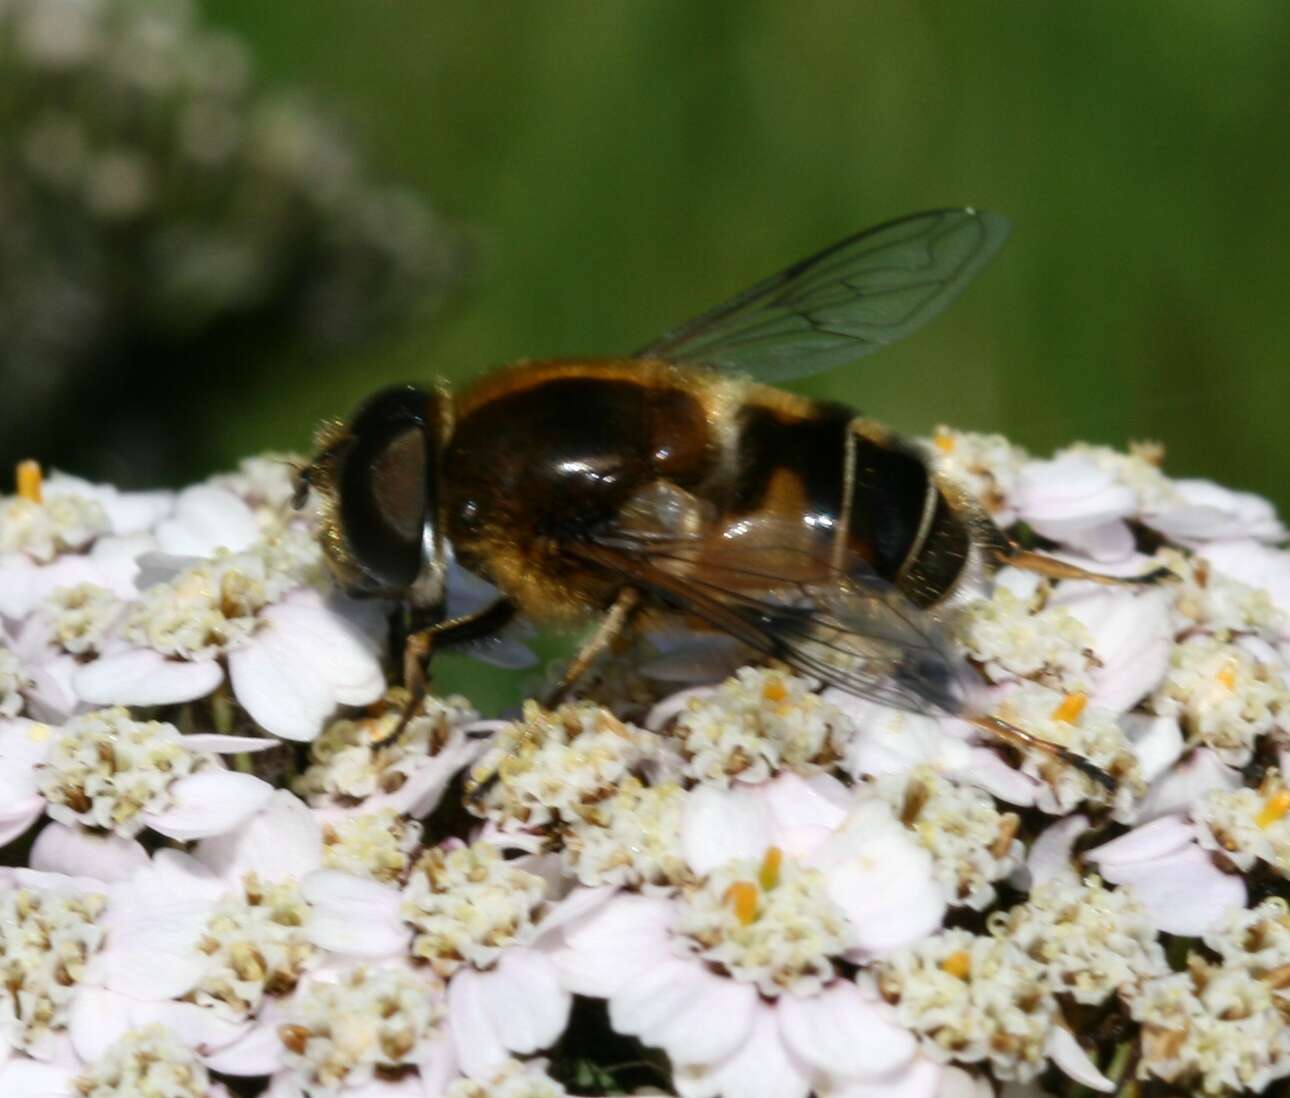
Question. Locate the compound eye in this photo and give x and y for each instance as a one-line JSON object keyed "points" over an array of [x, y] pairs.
{"points": [[385, 502]]}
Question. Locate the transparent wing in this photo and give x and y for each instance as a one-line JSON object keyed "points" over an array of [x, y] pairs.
{"points": [[842, 625], [861, 294]]}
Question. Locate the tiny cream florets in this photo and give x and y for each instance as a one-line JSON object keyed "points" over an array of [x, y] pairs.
{"points": [[46, 941], [1212, 1030], [1258, 940], [756, 724], [59, 524], [1247, 825], [337, 1036], [357, 757], [466, 905], [82, 617], [973, 999], [1093, 942], [255, 944], [13, 681], [150, 1062], [206, 610], [1209, 601], [771, 924], [972, 843], [630, 839], [1223, 696], [1016, 637], [1089, 733], [550, 765], [986, 465], [105, 770], [515, 1080], [376, 844]]}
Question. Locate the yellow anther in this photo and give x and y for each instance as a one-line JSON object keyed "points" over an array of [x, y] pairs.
{"points": [[1227, 676], [1274, 808], [1070, 707], [958, 965], [944, 443], [774, 691], [30, 480], [768, 875], [742, 895]]}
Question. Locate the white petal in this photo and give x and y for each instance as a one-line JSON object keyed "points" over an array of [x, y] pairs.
{"points": [[354, 916], [331, 644], [987, 770], [210, 803], [1184, 893], [1050, 854], [1132, 637], [281, 692], [282, 840], [22, 1078], [475, 1041], [1156, 741], [523, 997], [140, 676], [1257, 565], [614, 944], [207, 518], [695, 1016], [762, 1067], [98, 1019], [81, 853], [1067, 1054], [1162, 837], [226, 745], [921, 1079], [200, 1028], [1203, 772], [840, 1033], [721, 825], [257, 1052], [17, 816]]}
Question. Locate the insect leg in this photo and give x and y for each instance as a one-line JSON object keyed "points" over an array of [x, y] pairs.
{"points": [[606, 633], [1060, 569], [1017, 737]]}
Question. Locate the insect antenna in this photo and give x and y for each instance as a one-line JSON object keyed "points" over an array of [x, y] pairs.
{"points": [[1020, 738]]}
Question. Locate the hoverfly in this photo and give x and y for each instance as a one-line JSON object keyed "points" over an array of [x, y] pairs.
{"points": [[677, 485]]}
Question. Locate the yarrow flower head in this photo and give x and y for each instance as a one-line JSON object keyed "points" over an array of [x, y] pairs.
{"points": [[148, 1061]]}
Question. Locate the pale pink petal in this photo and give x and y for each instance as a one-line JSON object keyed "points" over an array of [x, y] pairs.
{"points": [[579, 903], [1105, 543], [478, 1046], [695, 1016], [1071, 496], [227, 745], [1132, 637], [281, 840], [805, 810], [1211, 512], [842, 1034], [330, 642], [210, 803], [891, 741], [1257, 565], [82, 853], [17, 816], [1183, 893], [921, 1079], [353, 915], [1183, 786], [23, 1078], [523, 998], [613, 944], [23, 746], [1050, 855], [437, 1067], [140, 676], [207, 518], [256, 1052], [762, 1067], [98, 1019], [988, 770], [673, 705], [424, 789], [721, 825], [1067, 1054], [1158, 839]]}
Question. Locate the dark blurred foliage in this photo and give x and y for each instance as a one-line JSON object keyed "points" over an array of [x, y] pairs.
{"points": [[624, 165], [167, 229]]}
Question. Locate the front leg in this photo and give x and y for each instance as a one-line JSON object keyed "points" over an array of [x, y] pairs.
{"points": [[609, 630]]}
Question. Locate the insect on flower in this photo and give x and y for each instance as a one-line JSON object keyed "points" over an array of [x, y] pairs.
{"points": [[678, 485]]}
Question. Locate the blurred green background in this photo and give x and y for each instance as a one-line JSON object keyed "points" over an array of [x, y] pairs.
{"points": [[616, 167], [623, 165]]}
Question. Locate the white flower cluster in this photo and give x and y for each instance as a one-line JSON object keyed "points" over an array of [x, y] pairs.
{"points": [[247, 853]]}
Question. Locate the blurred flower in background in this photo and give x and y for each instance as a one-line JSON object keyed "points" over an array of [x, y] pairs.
{"points": [[166, 224]]}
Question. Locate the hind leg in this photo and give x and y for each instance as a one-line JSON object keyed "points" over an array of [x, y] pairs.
{"points": [[1060, 569]]}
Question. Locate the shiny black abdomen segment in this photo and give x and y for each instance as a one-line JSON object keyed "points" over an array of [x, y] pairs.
{"points": [[891, 485], [571, 451], [809, 448]]}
